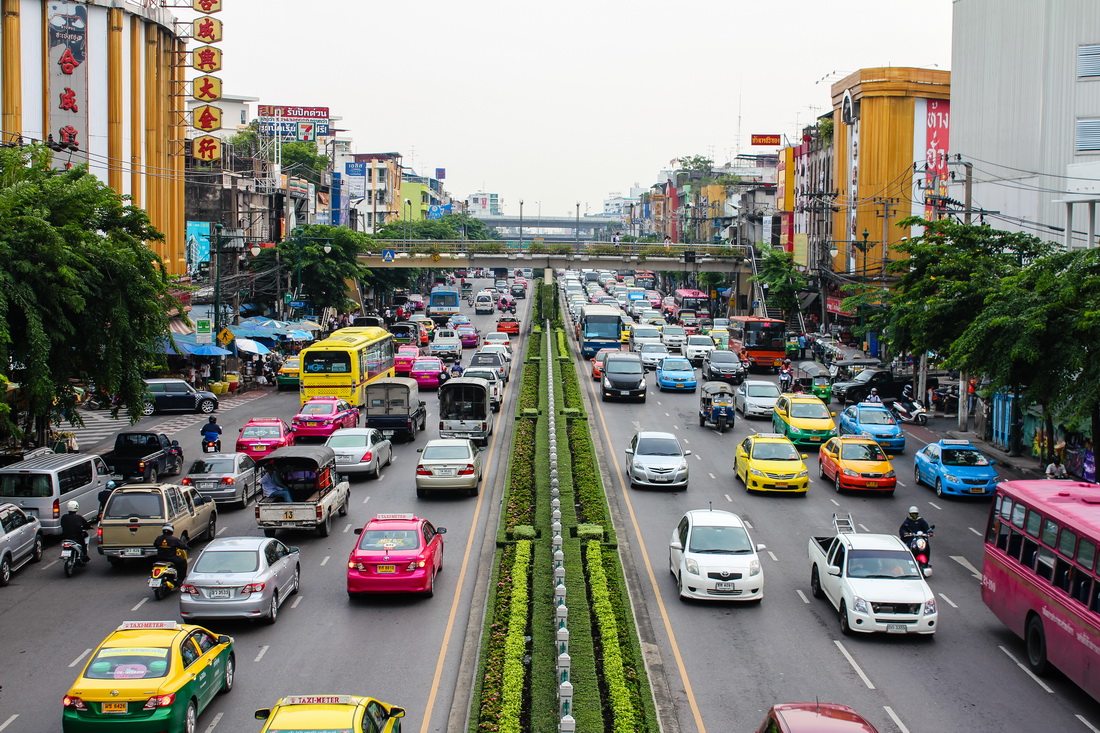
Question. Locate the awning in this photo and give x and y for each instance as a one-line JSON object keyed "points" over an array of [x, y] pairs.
{"points": [[252, 347], [298, 336], [177, 325]]}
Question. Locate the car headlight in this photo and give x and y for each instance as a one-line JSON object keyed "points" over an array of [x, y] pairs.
{"points": [[803, 473], [754, 567], [691, 565], [793, 429], [930, 607], [859, 605], [683, 466], [850, 472], [606, 384], [641, 383], [756, 472], [952, 479], [889, 474]]}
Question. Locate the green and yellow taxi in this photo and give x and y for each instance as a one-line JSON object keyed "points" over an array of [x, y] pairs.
{"points": [[803, 418], [343, 713], [288, 373], [770, 462], [149, 677]]}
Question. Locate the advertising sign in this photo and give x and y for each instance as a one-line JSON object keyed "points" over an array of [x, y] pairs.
{"points": [[937, 133], [767, 140], [440, 174], [288, 129], [204, 331], [271, 111], [67, 38], [356, 177], [198, 243]]}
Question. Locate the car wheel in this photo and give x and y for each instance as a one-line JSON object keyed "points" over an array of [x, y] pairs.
{"points": [[1036, 647], [297, 579], [845, 628], [839, 488], [325, 527], [207, 406], [939, 487], [230, 673], [389, 456], [815, 584], [114, 562], [820, 469], [5, 571], [148, 409], [344, 507], [702, 420], [36, 551], [430, 591], [269, 532], [680, 587], [916, 475], [191, 718], [212, 527], [273, 610], [421, 493], [151, 476]]}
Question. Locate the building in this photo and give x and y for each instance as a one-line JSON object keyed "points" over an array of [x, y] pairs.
{"points": [[373, 187], [484, 204], [1025, 111]]}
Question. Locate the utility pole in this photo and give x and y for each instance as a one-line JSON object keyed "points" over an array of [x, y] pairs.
{"points": [[964, 398]]}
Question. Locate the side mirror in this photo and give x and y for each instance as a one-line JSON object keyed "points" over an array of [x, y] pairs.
{"points": [[397, 712], [358, 530], [761, 547], [241, 430], [992, 462], [832, 414], [293, 550], [833, 570], [687, 453], [176, 443], [223, 639], [805, 456], [441, 530], [675, 545], [931, 527], [630, 451], [263, 714], [419, 450]]}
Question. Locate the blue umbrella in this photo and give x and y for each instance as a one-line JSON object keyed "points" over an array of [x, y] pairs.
{"points": [[206, 350]]}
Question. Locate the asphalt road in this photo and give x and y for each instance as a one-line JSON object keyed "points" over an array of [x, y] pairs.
{"points": [[413, 652], [727, 663]]}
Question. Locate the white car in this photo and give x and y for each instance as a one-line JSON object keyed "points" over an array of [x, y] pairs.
{"points": [[445, 344], [360, 450], [673, 337], [697, 347], [498, 338], [496, 384], [448, 464], [652, 354], [755, 398], [712, 557], [498, 348]]}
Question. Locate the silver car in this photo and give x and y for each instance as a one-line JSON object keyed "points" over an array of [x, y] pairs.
{"points": [[241, 577], [674, 337], [20, 540], [652, 354], [227, 478], [360, 450], [656, 460], [491, 360], [755, 398], [448, 464]]}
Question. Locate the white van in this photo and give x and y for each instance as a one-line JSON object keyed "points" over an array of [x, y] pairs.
{"points": [[43, 486], [483, 304], [465, 409]]}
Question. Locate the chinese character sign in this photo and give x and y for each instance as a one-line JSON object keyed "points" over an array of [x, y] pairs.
{"points": [[937, 135], [206, 88], [206, 58], [206, 118], [206, 148], [68, 79], [207, 30], [207, 6]]}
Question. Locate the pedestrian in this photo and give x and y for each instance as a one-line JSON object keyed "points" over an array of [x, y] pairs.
{"points": [[668, 241], [971, 394], [204, 374], [189, 374], [1055, 469], [801, 346], [615, 240]]}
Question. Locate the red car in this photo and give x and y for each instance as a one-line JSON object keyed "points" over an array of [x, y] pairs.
{"points": [[396, 553], [322, 416], [599, 359], [261, 435], [508, 324], [416, 303], [814, 717], [404, 359]]}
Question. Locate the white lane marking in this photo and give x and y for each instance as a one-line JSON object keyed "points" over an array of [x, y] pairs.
{"points": [[864, 528], [140, 604], [934, 505], [263, 651], [966, 564], [46, 567], [10, 720], [772, 556], [896, 719], [296, 601], [382, 475], [1027, 671], [835, 502], [901, 484], [699, 456], [1086, 723], [685, 441], [975, 531], [855, 666], [658, 402], [347, 528], [366, 499], [214, 722], [667, 415], [83, 654], [711, 475], [745, 522], [948, 601], [219, 531], [325, 561], [802, 595], [675, 427]]}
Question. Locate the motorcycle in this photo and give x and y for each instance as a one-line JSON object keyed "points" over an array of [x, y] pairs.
{"points": [[163, 579], [911, 411], [921, 546], [72, 555], [784, 381], [946, 400], [209, 446], [177, 452]]}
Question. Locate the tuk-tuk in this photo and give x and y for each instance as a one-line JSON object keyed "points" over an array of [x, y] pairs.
{"points": [[467, 289], [721, 338], [845, 369], [406, 332], [815, 379], [394, 406], [716, 405], [792, 348]]}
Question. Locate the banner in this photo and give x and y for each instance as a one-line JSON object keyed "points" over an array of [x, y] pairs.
{"points": [[67, 38], [355, 183]]}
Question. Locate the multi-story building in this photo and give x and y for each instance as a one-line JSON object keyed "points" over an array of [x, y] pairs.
{"points": [[377, 198], [484, 204]]}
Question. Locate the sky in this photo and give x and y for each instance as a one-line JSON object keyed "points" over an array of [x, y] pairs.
{"points": [[556, 103]]}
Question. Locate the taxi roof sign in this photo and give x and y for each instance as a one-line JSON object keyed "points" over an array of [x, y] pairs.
{"points": [[319, 700], [131, 625], [948, 441], [769, 435], [384, 517]]}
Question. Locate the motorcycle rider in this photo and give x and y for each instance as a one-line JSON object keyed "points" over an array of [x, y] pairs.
{"points": [[212, 433], [75, 527], [873, 397], [104, 495], [785, 376], [913, 523], [172, 549], [1055, 470]]}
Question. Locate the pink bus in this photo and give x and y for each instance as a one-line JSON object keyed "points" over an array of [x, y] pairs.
{"points": [[1040, 577], [688, 299]]}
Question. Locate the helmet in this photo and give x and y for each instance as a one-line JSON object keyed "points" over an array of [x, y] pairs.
{"points": [[167, 529], [212, 419], [73, 506], [914, 513], [111, 485], [874, 390]]}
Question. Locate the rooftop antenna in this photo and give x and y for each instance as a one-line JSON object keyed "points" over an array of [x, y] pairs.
{"points": [[738, 141], [711, 505]]}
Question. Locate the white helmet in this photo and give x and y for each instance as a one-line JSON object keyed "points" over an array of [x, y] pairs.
{"points": [[73, 506], [914, 510]]}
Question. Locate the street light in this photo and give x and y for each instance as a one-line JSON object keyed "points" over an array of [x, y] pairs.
{"points": [[521, 223], [577, 231], [407, 216], [255, 250]]}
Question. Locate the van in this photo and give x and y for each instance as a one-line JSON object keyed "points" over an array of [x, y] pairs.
{"points": [[483, 304], [43, 486], [465, 409]]}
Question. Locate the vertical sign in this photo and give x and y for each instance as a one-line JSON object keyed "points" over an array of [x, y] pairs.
{"points": [[67, 31], [936, 137], [440, 174], [206, 118], [356, 174]]}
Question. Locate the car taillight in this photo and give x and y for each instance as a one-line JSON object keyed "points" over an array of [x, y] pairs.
{"points": [[421, 471], [367, 457], [466, 471], [252, 588], [160, 701], [73, 702], [257, 511], [189, 589], [415, 564], [185, 482], [56, 508], [440, 424], [228, 480], [99, 535], [320, 512]]}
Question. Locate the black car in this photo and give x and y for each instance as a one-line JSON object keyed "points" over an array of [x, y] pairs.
{"points": [[518, 291], [723, 366], [172, 395], [623, 377]]}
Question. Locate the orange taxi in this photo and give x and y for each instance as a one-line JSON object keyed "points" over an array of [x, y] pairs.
{"points": [[508, 324], [856, 462]]}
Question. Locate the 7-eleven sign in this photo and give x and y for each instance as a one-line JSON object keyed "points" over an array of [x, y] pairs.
{"points": [[307, 132]]}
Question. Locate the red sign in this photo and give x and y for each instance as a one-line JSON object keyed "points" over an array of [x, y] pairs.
{"points": [[292, 113], [937, 133], [767, 140], [833, 306]]}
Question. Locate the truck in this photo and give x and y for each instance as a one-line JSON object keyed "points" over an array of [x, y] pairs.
{"points": [[872, 580], [393, 405], [144, 456], [317, 491], [466, 409], [445, 344], [888, 384]]}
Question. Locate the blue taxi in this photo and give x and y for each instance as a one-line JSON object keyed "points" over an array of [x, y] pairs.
{"points": [[676, 373], [874, 420], [955, 467]]}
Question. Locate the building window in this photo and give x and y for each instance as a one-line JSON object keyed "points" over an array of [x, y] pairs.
{"points": [[1088, 61], [1087, 136]]}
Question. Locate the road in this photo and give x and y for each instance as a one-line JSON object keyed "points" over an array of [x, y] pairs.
{"points": [[413, 652]]}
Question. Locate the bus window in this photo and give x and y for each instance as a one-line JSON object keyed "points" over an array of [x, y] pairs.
{"points": [[1086, 554], [1044, 568], [1050, 533], [1033, 522], [1067, 542], [327, 362]]}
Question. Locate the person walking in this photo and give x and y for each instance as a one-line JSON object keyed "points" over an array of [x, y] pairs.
{"points": [[801, 346], [204, 374]]}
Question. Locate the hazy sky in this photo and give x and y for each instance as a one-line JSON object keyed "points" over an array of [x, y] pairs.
{"points": [[567, 101]]}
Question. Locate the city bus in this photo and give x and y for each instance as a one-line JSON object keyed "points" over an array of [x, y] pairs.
{"points": [[688, 299], [1039, 574], [760, 342], [343, 364], [600, 327], [443, 303], [645, 279]]}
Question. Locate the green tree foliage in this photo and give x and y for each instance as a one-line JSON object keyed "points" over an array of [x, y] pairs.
{"points": [[449, 227], [324, 276], [783, 279], [246, 143], [81, 295], [301, 160], [697, 163]]}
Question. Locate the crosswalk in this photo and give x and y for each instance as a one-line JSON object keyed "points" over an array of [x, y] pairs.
{"points": [[99, 425]]}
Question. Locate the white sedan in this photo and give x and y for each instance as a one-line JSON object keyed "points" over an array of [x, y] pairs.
{"points": [[360, 450], [712, 557]]}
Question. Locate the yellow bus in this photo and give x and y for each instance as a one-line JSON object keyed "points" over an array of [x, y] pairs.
{"points": [[343, 364]]}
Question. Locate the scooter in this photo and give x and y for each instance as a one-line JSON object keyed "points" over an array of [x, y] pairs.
{"points": [[921, 546], [163, 579], [911, 411], [177, 451], [784, 381], [72, 555], [211, 446]]}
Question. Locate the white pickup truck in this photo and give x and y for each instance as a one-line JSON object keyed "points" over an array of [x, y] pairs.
{"points": [[316, 490], [445, 344], [872, 581]]}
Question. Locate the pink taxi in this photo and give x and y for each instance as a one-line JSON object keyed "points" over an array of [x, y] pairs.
{"points": [[429, 371], [261, 435], [404, 359], [322, 416], [396, 553]]}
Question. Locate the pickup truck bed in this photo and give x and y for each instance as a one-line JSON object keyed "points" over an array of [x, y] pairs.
{"points": [[143, 456], [312, 509]]}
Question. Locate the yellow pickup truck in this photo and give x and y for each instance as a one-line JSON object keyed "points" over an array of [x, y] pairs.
{"points": [[134, 515]]}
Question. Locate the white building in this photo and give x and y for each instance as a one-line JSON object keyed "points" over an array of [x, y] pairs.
{"points": [[484, 204]]}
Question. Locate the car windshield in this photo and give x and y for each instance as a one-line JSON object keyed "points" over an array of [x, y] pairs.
{"points": [[774, 452], [114, 663], [676, 365], [674, 331], [425, 366], [863, 377], [446, 453], [481, 374], [809, 410], [876, 417], [882, 564], [623, 366], [964, 457], [399, 539], [26, 485], [212, 465], [657, 447], [347, 441], [724, 357], [260, 432], [719, 541], [654, 349], [763, 390], [646, 333], [227, 561], [140, 504], [700, 341], [862, 452], [486, 359]]}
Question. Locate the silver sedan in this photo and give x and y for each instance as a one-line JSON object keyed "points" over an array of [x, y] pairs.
{"points": [[241, 577], [224, 477], [360, 450], [448, 464]]}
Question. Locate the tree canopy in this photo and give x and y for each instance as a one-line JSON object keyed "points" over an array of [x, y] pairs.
{"points": [[784, 280], [301, 160], [448, 227], [324, 275]]}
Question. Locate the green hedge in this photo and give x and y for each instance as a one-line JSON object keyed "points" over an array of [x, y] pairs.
{"points": [[529, 387], [493, 651], [620, 701], [515, 644], [520, 498], [587, 485]]}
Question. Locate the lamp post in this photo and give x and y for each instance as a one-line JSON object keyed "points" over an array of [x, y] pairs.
{"points": [[577, 231], [407, 216], [521, 223], [863, 271], [218, 294]]}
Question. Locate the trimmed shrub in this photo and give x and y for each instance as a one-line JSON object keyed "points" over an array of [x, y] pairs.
{"points": [[590, 532], [514, 678], [520, 500], [524, 532], [587, 485], [492, 680], [624, 714]]}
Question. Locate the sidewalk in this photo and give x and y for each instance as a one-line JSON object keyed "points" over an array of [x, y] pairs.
{"points": [[1025, 466]]}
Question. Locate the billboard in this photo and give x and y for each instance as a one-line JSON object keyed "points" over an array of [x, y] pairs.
{"points": [[198, 243], [271, 111], [356, 179], [766, 140], [288, 129]]}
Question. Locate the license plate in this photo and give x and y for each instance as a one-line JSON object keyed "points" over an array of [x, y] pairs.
{"points": [[311, 423], [723, 586], [872, 483], [343, 459], [219, 593], [387, 433], [895, 628], [113, 707], [445, 472], [259, 447], [978, 490], [624, 391], [781, 486], [155, 582], [680, 386], [133, 552], [386, 568], [814, 438], [207, 485], [662, 479]]}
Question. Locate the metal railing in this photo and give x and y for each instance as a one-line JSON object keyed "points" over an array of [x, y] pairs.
{"points": [[472, 248]]}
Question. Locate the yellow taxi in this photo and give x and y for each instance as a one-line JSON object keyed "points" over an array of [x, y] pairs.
{"points": [[856, 462], [349, 713], [427, 323], [627, 322], [803, 418], [289, 373], [770, 462], [149, 676]]}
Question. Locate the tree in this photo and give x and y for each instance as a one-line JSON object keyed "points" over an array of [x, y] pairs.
{"points": [[246, 143], [324, 276], [697, 163], [448, 227], [302, 160], [82, 298], [784, 280]]}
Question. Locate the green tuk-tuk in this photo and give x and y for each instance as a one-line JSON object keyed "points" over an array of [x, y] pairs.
{"points": [[467, 289], [815, 379], [716, 405]]}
